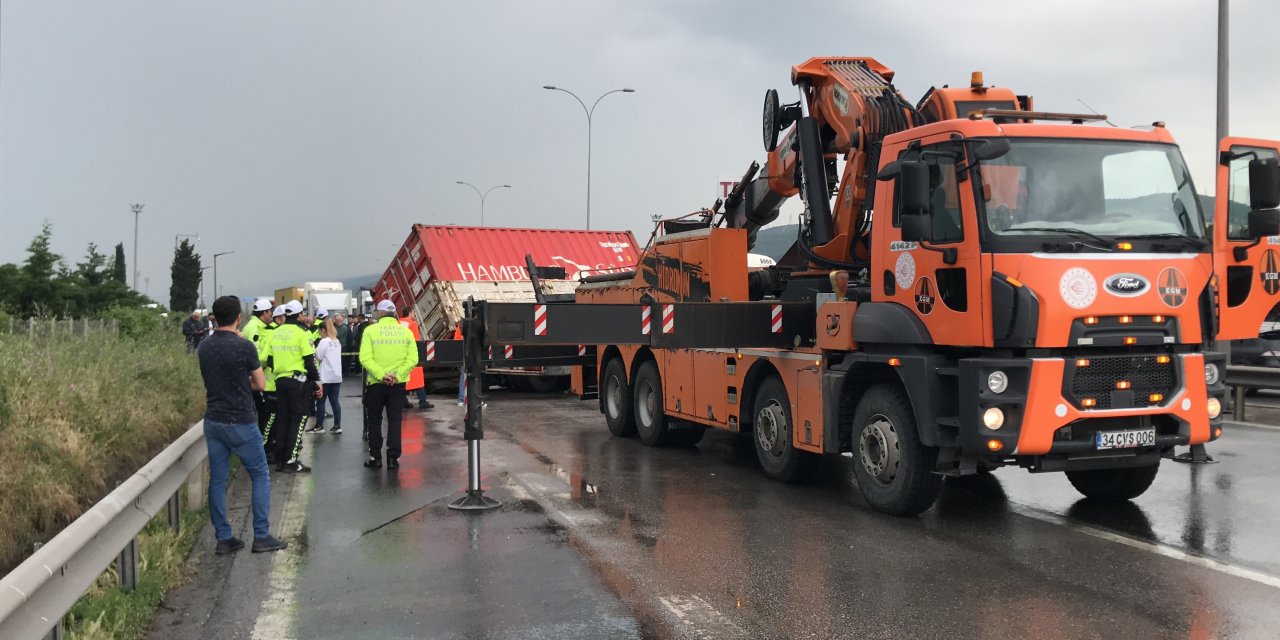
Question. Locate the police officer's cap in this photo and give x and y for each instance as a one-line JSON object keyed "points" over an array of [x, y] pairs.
{"points": [[278, 312], [262, 304], [292, 308], [322, 313], [387, 306]]}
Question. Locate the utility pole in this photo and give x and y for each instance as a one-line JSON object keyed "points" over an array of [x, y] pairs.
{"points": [[202, 270], [1224, 88], [215, 271], [136, 208]]}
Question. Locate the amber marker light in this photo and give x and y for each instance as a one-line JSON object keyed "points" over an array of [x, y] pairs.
{"points": [[1082, 362], [1217, 433], [1088, 402], [1014, 281], [895, 362], [1124, 246], [995, 445], [1130, 340], [1126, 319], [1091, 320], [1163, 359], [1157, 319], [1123, 384], [1155, 397]]}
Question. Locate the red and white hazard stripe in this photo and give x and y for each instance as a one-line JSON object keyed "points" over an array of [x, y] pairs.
{"points": [[644, 320], [431, 350], [540, 320], [668, 318], [507, 351], [777, 318], [582, 350], [490, 352]]}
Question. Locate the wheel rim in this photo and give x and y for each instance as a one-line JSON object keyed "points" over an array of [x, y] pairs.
{"points": [[613, 396], [646, 410], [879, 450], [770, 427]]}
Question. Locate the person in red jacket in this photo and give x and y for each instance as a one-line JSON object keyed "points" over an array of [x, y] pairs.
{"points": [[416, 383]]}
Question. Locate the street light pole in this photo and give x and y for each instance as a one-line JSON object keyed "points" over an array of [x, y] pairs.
{"points": [[136, 208], [484, 195], [202, 270], [215, 269], [590, 112], [1224, 88]]}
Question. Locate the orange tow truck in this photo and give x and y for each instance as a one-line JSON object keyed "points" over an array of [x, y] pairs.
{"points": [[975, 284]]}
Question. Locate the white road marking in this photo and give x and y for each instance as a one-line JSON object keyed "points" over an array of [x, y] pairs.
{"points": [[275, 619], [703, 618], [1152, 547]]}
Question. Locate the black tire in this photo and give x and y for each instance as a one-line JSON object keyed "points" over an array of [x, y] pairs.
{"points": [[615, 397], [543, 384], [646, 401], [894, 470], [687, 437], [1114, 485], [771, 433]]}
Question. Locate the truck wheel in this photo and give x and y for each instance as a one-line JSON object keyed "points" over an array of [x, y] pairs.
{"points": [[688, 436], [894, 470], [651, 422], [617, 400], [771, 431], [1113, 484]]}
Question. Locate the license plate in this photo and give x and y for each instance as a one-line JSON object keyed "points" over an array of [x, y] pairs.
{"points": [[1126, 439]]}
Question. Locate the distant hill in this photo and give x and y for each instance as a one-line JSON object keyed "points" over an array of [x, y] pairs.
{"points": [[775, 241]]}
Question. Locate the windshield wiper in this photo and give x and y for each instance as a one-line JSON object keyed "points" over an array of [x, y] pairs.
{"points": [[1198, 243], [1106, 244]]}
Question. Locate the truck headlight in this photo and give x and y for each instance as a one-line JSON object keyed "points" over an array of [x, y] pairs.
{"points": [[1215, 407], [993, 418], [997, 382], [1211, 374]]}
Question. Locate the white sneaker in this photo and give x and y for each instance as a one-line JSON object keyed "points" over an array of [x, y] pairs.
{"points": [[460, 403]]}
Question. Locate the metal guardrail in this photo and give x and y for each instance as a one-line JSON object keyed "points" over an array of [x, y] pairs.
{"points": [[1241, 378], [38, 593]]}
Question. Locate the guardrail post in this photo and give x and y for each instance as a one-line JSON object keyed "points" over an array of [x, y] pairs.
{"points": [[1238, 392], [128, 565], [173, 511], [198, 487], [57, 632]]}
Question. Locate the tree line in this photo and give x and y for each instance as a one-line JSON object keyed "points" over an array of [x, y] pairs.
{"points": [[45, 285]]}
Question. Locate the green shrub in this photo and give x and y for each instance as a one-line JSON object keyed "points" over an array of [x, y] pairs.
{"points": [[78, 415], [139, 323]]}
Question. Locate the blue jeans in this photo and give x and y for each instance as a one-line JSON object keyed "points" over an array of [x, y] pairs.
{"points": [[331, 390], [245, 441]]}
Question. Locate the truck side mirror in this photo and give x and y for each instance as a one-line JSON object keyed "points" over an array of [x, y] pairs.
{"points": [[1264, 222], [1264, 183], [913, 201]]}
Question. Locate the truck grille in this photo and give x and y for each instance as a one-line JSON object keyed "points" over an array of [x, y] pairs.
{"points": [[1098, 381]]}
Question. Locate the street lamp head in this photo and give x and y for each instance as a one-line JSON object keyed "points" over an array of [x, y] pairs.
{"points": [[505, 186], [136, 207], [628, 90], [459, 182], [551, 87]]}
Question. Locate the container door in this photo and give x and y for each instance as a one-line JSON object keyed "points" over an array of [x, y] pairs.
{"points": [[1247, 267]]}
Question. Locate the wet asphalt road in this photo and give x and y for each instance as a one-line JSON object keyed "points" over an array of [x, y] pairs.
{"points": [[601, 537]]}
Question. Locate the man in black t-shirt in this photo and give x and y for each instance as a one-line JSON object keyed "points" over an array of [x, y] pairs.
{"points": [[231, 371]]}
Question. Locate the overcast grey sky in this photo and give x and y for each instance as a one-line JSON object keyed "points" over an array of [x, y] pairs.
{"points": [[308, 135]]}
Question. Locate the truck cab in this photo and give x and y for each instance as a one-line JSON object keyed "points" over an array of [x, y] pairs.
{"points": [[1066, 272]]}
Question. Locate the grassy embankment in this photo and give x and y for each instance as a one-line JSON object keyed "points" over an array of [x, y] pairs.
{"points": [[77, 416]]}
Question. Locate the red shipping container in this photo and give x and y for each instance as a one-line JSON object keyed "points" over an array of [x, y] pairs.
{"points": [[434, 255]]}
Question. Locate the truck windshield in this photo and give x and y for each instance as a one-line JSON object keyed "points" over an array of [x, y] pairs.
{"points": [[1089, 188]]}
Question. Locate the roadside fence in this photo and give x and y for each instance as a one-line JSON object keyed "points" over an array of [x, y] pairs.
{"points": [[36, 595], [52, 327]]}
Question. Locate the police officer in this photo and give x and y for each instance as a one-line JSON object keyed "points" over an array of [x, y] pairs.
{"points": [[267, 419], [251, 331], [388, 354], [292, 359], [316, 324]]}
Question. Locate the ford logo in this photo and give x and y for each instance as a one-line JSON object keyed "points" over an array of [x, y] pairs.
{"points": [[1126, 284]]}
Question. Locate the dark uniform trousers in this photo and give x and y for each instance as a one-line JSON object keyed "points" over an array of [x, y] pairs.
{"points": [[291, 415], [377, 399], [265, 403]]}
